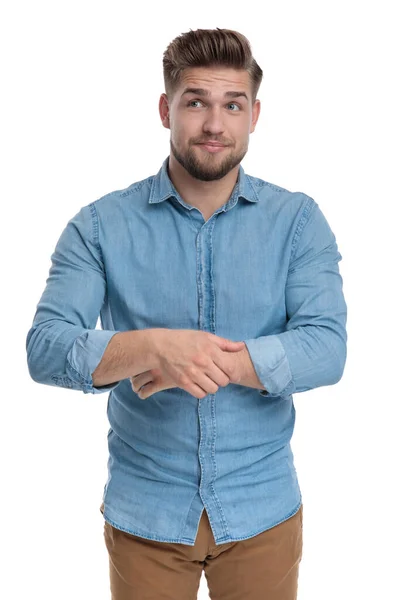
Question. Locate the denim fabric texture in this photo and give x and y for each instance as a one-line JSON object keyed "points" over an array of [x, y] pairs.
{"points": [[263, 269]]}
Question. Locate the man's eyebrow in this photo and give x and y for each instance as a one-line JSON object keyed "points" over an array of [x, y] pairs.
{"points": [[203, 92]]}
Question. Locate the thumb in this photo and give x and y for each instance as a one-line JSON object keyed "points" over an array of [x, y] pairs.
{"points": [[231, 346]]}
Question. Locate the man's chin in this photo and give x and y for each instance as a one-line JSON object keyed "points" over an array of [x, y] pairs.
{"points": [[207, 176], [205, 168]]}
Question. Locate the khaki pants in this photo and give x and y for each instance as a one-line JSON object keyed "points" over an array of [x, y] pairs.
{"points": [[264, 567]]}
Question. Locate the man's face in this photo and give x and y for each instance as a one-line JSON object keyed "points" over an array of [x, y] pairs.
{"points": [[207, 114]]}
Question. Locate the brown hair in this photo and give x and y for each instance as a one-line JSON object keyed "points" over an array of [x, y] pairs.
{"points": [[206, 48]]}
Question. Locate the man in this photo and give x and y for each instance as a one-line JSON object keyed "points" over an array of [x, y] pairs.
{"points": [[220, 297]]}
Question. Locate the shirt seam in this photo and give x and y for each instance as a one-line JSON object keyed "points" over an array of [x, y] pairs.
{"points": [[95, 229], [304, 219], [96, 242]]}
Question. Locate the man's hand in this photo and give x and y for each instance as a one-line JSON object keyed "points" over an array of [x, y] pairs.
{"points": [[152, 381], [196, 361]]}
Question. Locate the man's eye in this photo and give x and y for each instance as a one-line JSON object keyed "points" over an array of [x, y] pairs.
{"points": [[190, 103]]}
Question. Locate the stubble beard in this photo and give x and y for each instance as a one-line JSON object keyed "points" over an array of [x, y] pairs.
{"points": [[209, 168]]}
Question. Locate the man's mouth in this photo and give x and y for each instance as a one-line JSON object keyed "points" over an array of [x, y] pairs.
{"points": [[212, 146]]}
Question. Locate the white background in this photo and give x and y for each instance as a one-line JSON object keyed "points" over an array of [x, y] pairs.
{"points": [[80, 88]]}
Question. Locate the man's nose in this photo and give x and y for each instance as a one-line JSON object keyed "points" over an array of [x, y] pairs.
{"points": [[214, 121]]}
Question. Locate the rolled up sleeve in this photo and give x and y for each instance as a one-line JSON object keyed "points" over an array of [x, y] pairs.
{"points": [[311, 352], [63, 347]]}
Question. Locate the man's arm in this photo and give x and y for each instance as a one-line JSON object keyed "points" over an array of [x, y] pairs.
{"points": [[63, 347], [311, 352], [127, 354], [248, 375]]}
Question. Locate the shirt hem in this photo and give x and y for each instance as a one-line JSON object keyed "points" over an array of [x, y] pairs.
{"points": [[188, 541]]}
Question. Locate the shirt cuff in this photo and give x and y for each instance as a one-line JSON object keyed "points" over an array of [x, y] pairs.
{"points": [[271, 365], [84, 356]]}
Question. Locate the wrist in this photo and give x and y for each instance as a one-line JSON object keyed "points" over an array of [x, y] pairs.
{"points": [[154, 340]]}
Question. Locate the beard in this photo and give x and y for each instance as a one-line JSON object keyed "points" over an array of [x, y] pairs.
{"points": [[208, 166]]}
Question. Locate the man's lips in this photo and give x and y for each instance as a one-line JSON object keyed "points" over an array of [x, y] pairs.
{"points": [[212, 147], [212, 144]]}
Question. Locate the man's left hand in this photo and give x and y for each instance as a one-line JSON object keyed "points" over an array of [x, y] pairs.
{"points": [[149, 382]]}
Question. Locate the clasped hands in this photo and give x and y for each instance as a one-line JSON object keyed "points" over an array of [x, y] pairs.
{"points": [[154, 380]]}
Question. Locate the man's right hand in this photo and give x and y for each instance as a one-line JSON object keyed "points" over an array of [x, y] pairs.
{"points": [[195, 361]]}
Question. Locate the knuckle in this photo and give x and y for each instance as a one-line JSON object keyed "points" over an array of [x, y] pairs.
{"points": [[200, 361], [183, 380]]}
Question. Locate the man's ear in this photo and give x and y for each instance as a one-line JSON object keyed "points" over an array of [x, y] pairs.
{"points": [[255, 114], [163, 108]]}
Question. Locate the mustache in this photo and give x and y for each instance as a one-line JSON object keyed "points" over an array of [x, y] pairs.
{"points": [[222, 142]]}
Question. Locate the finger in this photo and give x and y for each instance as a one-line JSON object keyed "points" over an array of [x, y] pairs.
{"points": [[216, 375], [149, 389], [135, 377], [197, 391], [139, 381], [202, 386], [207, 384], [219, 376], [145, 391], [229, 345], [234, 346]]}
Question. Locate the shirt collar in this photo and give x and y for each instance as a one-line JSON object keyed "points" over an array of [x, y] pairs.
{"points": [[162, 188]]}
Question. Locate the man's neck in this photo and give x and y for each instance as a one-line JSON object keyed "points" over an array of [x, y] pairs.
{"points": [[207, 196]]}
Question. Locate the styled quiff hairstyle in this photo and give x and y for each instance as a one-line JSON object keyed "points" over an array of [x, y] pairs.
{"points": [[207, 48]]}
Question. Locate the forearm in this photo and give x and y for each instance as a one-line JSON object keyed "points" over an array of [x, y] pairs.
{"points": [[127, 354], [248, 375]]}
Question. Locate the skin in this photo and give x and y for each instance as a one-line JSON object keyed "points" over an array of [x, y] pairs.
{"points": [[204, 179]]}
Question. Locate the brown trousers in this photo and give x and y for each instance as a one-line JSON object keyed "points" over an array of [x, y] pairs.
{"points": [[264, 567]]}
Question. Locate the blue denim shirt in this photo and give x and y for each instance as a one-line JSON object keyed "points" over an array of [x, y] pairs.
{"points": [[263, 269]]}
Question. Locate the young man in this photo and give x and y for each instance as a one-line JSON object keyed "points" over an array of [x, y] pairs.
{"points": [[220, 297]]}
